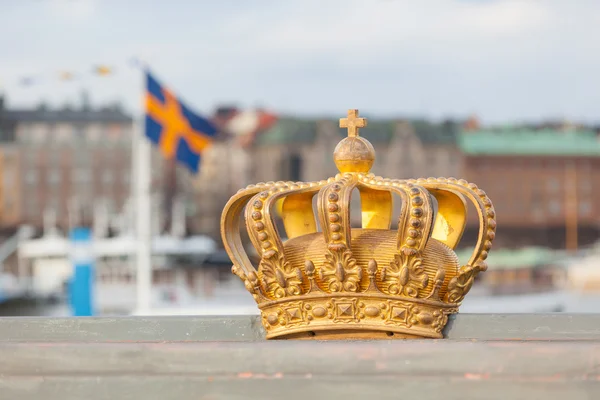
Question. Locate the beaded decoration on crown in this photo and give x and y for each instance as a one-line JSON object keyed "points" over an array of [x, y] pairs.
{"points": [[332, 281]]}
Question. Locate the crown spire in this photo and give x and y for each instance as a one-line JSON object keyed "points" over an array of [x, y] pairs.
{"points": [[354, 153], [353, 123]]}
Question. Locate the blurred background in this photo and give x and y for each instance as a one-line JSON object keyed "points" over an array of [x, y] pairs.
{"points": [[501, 93]]}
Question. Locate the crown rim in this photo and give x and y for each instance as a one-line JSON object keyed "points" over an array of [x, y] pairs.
{"points": [[336, 313]]}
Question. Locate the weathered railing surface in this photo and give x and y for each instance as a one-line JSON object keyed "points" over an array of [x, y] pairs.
{"points": [[510, 356]]}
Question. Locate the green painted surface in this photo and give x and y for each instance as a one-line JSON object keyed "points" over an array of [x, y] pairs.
{"points": [[527, 257], [530, 142]]}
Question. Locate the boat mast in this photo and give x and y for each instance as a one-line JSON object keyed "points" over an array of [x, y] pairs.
{"points": [[141, 148]]}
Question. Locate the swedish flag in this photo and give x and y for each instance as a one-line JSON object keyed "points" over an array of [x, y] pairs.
{"points": [[173, 127]]}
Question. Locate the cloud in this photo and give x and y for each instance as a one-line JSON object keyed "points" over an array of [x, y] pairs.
{"points": [[371, 29], [504, 60], [72, 10]]}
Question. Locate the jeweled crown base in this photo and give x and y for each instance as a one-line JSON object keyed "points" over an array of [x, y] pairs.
{"points": [[355, 316]]}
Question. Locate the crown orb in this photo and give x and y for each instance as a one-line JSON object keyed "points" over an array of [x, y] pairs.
{"points": [[354, 154]]}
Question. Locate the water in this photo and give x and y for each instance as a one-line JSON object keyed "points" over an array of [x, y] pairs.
{"points": [[557, 301], [243, 304]]}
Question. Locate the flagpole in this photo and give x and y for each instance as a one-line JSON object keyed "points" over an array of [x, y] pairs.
{"points": [[141, 160]]}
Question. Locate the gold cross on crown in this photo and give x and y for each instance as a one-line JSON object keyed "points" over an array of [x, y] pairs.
{"points": [[353, 123]]}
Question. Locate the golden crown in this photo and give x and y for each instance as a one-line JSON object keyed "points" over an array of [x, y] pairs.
{"points": [[330, 280]]}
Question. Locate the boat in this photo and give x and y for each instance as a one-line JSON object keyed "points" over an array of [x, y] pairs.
{"points": [[583, 272]]}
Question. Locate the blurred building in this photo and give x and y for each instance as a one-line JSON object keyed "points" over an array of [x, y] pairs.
{"points": [[294, 149], [67, 164], [541, 182]]}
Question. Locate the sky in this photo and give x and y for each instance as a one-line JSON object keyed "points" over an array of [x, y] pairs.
{"points": [[503, 61]]}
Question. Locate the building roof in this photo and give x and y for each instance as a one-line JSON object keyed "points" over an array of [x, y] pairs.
{"points": [[303, 131], [289, 130], [67, 115], [427, 132], [530, 142], [376, 132]]}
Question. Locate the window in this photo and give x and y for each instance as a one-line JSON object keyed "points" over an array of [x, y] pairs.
{"points": [[53, 202], [32, 206], [157, 174], [536, 164], [53, 189], [64, 133], [82, 158], [295, 168], [536, 199], [378, 165], [39, 133], [114, 132], [9, 161], [555, 164], [157, 159], [94, 132], [552, 184], [23, 133], [54, 176], [28, 156], [585, 165], [9, 178], [107, 177], [9, 205], [554, 207], [109, 205], [585, 208], [31, 176], [86, 197], [79, 133], [126, 132], [586, 186], [81, 175], [7, 135], [54, 157]]}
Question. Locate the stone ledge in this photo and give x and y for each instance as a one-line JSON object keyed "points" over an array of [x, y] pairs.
{"points": [[301, 370], [557, 327], [485, 356]]}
